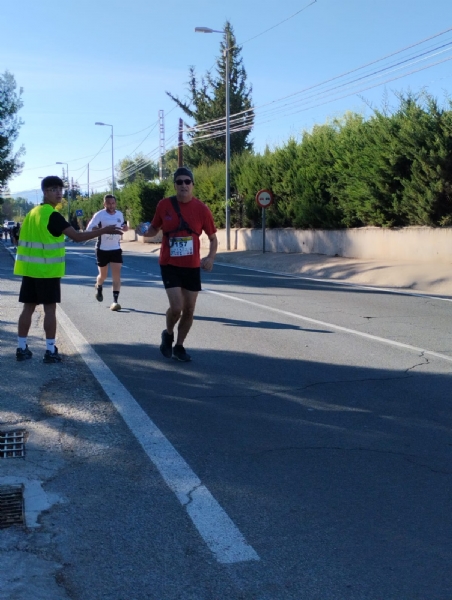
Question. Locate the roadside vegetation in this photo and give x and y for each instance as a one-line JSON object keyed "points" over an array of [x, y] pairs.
{"points": [[392, 169]]}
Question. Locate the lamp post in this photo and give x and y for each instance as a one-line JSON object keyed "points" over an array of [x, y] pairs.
{"points": [[68, 191], [228, 134], [112, 159]]}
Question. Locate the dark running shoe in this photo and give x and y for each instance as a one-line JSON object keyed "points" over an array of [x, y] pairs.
{"points": [[180, 354], [23, 354], [99, 296], [52, 357], [166, 346]]}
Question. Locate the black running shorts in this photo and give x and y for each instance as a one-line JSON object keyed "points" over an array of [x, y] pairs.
{"points": [[188, 278], [104, 257], [40, 291]]}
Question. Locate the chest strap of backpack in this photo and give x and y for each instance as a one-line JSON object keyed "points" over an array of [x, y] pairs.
{"points": [[183, 225]]}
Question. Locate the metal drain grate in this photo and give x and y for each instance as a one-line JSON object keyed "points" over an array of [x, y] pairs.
{"points": [[11, 505], [12, 443]]}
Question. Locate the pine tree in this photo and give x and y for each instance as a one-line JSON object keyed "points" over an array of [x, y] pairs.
{"points": [[207, 105]]}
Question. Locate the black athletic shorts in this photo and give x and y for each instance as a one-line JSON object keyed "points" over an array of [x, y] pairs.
{"points": [[188, 278], [104, 257], [40, 291]]}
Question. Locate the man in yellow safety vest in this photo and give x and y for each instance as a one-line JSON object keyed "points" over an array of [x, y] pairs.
{"points": [[40, 260]]}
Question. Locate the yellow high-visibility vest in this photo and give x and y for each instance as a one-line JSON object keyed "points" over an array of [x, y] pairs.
{"points": [[39, 253]]}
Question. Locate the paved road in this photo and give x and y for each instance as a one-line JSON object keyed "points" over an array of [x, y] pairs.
{"points": [[304, 453]]}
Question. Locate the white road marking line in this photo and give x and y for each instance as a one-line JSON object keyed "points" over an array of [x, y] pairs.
{"points": [[368, 336], [214, 525]]}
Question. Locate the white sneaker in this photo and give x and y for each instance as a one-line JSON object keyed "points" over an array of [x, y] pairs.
{"points": [[115, 306]]}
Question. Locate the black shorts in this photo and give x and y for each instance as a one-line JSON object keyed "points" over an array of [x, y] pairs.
{"points": [[104, 257], [188, 278], [40, 291]]}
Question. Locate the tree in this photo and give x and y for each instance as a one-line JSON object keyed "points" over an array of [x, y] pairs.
{"points": [[206, 106], [15, 209], [10, 123], [364, 172], [130, 168], [21, 207], [424, 136], [138, 200]]}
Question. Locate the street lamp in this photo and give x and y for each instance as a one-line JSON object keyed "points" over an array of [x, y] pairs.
{"points": [[68, 191], [228, 134], [112, 159]]}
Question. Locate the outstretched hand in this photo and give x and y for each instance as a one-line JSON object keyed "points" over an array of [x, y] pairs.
{"points": [[112, 229]]}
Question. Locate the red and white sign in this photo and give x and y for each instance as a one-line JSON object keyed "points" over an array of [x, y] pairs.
{"points": [[264, 198]]}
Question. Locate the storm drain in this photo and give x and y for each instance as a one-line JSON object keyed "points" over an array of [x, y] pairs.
{"points": [[12, 443], [11, 505]]}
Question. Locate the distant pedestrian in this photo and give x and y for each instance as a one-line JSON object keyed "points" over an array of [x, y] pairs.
{"points": [[15, 231], [182, 219], [41, 262], [108, 249]]}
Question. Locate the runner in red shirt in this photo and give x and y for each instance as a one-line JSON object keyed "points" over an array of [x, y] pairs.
{"points": [[182, 219]]}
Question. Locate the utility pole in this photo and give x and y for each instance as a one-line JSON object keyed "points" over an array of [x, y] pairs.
{"points": [[162, 144], [180, 145], [68, 190], [227, 52], [88, 180]]}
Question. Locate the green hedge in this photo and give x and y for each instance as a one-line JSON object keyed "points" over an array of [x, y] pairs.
{"points": [[392, 169]]}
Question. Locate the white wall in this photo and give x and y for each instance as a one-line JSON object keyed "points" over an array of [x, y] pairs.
{"points": [[421, 244]]}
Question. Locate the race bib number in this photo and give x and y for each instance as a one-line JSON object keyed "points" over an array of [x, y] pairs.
{"points": [[181, 246]]}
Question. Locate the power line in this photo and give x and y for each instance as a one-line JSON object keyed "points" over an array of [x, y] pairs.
{"points": [[236, 126], [278, 24], [244, 120], [220, 120]]}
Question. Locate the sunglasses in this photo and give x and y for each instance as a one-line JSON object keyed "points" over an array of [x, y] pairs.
{"points": [[54, 189], [182, 181]]}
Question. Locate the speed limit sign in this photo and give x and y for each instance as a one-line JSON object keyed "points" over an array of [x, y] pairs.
{"points": [[264, 198]]}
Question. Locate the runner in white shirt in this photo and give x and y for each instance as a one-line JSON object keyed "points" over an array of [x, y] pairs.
{"points": [[108, 248]]}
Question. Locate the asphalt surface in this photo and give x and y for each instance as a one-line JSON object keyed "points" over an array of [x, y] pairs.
{"points": [[316, 412]]}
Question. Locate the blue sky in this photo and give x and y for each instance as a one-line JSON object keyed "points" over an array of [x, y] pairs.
{"points": [[83, 61]]}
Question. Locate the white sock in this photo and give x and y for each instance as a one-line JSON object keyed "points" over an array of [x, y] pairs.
{"points": [[50, 345], [22, 343]]}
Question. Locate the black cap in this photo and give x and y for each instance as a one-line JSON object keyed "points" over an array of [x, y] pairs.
{"points": [[183, 171], [51, 181]]}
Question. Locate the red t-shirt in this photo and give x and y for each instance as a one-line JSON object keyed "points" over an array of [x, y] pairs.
{"points": [[197, 215]]}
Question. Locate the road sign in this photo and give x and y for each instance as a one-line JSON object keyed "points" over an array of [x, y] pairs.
{"points": [[264, 198], [79, 213]]}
